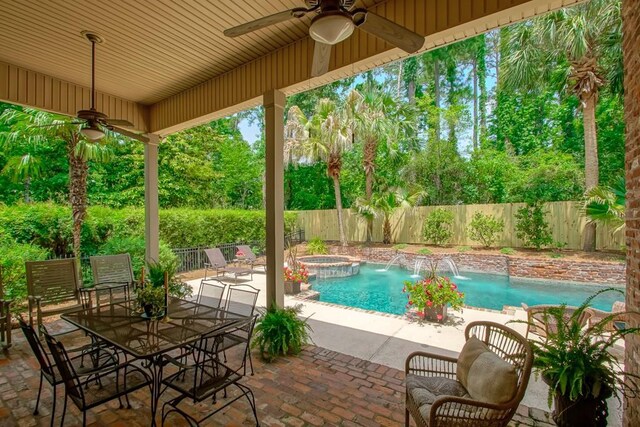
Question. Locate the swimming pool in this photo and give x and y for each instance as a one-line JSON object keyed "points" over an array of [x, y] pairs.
{"points": [[382, 291]]}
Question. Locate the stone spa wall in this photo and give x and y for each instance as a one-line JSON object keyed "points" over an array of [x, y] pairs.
{"points": [[592, 272]]}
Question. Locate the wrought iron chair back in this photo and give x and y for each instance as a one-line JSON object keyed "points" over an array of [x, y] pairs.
{"points": [[211, 293]]}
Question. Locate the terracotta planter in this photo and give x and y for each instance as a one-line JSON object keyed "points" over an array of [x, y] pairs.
{"points": [[431, 313], [291, 287]]}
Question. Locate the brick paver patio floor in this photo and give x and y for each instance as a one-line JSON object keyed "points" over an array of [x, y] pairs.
{"points": [[318, 387]]}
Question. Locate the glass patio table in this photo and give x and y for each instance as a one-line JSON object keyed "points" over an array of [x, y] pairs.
{"points": [[122, 325]]}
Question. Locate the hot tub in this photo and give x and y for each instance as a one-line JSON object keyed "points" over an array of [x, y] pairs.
{"points": [[324, 266]]}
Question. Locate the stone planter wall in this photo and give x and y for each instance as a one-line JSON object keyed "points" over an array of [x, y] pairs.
{"points": [[595, 272]]}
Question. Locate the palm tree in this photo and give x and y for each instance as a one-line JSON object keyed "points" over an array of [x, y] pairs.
{"points": [[325, 137], [377, 120], [30, 127], [385, 203], [570, 45], [23, 169], [606, 205]]}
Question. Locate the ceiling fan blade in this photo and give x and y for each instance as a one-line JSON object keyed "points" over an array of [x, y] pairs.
{"points": [[118, 122], [321, 58], [391, 32], [128, 133], [261, 23]]}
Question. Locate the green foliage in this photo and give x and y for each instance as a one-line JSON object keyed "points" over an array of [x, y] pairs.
{"points": [[155, 278], [485, 228], [507, 251], [316, 246], [153, 296], [280, 332], [12, 258], [433, 292], [400, 246], [424, 251], [532, 227], [438, 226], [577, 361], [49, 226], [606, 204]]}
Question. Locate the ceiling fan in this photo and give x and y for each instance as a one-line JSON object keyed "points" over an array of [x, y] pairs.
{"points": [[93, 120], [334, 21]]}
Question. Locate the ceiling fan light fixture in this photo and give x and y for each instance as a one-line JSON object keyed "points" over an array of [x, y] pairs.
{"points": [[92, 133], [331, 28]]}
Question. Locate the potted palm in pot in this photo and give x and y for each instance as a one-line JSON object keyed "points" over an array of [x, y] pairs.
{"points": [[576, 362]]}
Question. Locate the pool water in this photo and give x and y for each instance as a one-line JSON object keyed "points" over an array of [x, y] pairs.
{"points": [[377, 290]]}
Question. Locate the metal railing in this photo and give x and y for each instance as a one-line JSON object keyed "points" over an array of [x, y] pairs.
{"points": [[194, 258], [190, 259]]}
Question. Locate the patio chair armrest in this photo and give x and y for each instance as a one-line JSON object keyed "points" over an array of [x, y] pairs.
{"points": [[447, 409], [430, 364]]}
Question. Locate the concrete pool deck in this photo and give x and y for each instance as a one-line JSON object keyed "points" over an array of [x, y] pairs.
{"points": [[388, 339]]}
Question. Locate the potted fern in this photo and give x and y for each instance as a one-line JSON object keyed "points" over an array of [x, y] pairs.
{"points": [[576, 363], [281, 332]]}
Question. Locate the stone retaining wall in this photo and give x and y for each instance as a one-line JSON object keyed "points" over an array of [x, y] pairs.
{"points": [[594, 272]]}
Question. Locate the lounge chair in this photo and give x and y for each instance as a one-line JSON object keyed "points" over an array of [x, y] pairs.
{"points": [[249, 257], [219, 264], [541, 324], [482, 387]]}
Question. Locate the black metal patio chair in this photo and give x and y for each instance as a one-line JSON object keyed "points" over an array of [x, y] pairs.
{"points": [[205, 377], [87, 361], [211, 292], [107, 383]]}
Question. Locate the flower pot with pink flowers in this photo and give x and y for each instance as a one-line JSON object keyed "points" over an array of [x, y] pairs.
{"points": [[293, 277], [430, 297]]}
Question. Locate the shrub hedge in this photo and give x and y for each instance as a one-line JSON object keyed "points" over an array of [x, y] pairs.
{"points": [[49, 226], [41, 230]]}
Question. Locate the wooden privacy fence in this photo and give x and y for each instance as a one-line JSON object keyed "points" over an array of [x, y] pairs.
{"points": [[564, 218]]}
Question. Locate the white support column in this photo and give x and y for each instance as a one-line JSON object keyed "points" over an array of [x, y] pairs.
{"points": [[274, 102], [151, 217]]}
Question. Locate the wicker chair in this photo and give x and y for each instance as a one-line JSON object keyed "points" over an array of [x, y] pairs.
{"points": [[540, 324], [448, 403], [617, 314], [53, 288], [5, 317]]}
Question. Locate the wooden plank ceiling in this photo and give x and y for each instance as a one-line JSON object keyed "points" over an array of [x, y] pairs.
{"points": [[166, 64], [154, 48]]}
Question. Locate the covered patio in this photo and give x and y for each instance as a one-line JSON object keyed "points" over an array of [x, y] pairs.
{"points": [[167, 66]]}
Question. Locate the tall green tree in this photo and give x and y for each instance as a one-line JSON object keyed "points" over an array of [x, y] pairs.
{"points": [[380, 122], [30, 127], [325, 137], [568, 45]]}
